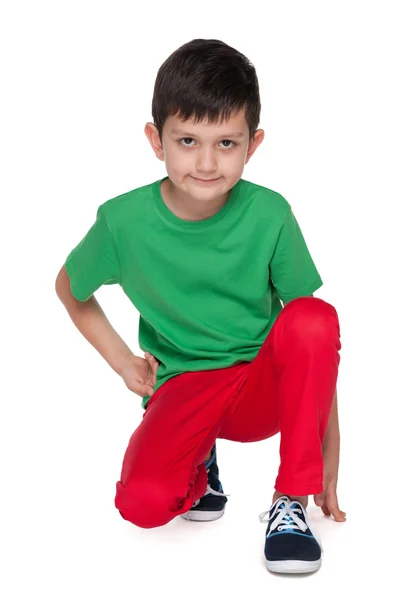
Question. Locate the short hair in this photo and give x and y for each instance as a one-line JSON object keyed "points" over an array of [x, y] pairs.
{"points": [[206, 79]]}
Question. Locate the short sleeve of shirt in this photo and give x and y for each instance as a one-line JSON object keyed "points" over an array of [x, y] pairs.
{"points": [[292, 269], [94, 261]]}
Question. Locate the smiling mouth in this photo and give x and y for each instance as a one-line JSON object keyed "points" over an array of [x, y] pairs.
{"points": [[198, 179]]}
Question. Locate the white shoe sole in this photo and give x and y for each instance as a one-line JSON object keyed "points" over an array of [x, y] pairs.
{"points": [[293, 566], [197, 515]]}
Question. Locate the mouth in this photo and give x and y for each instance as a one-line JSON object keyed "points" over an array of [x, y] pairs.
{"points": [[205, 180]]}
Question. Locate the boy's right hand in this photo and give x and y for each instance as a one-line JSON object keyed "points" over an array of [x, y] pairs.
{"points": [[139, 374]]}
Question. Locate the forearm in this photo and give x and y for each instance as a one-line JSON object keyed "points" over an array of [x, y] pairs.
{"points": [[331, 441], [93, 324]]}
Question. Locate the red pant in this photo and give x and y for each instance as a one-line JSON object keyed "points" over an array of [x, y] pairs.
{"points": [[288, 387]]}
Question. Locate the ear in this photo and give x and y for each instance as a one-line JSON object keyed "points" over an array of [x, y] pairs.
{"points": [[254, 143], [155, 142]]}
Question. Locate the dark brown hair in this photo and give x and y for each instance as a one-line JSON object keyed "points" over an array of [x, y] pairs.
{"points": [[206, 79]]}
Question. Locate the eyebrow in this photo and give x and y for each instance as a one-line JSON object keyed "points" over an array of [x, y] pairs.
{"points": [[224, 135]]}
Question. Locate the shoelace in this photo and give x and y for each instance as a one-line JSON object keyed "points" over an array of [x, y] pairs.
{"points": [[286, 517], [209, 490]]}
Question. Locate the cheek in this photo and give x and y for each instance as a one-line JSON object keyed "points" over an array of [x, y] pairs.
{"points": [[231, 157], [233, 163], [177, 160]]}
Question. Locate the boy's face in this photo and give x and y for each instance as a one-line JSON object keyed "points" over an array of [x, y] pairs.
{"points": [[205, 151]]}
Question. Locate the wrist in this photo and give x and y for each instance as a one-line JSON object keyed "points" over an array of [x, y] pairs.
{"points": [[126, 360]]}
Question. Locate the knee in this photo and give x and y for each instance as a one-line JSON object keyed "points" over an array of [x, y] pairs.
{"points": [[145, 503], [313, 320]]}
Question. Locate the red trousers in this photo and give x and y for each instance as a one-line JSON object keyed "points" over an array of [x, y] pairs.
{"points": [[287, 388]]}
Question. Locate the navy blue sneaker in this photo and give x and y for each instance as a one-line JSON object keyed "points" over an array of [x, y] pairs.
{"points": [[212, 505], [290, 545]]}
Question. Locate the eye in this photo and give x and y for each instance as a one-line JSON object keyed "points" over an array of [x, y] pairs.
{"points": [[229, 142], [188, 139]]}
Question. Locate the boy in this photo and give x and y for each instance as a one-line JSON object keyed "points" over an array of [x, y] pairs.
{"points": [[206, 258]]}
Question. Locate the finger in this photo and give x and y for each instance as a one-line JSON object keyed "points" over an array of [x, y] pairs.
{"points": [[151, 360], [151, 378], [338, 514], [319, 499], [142, 389], [333, 507], [326, 510], [154, 365], [153, 375], [147, 391]]}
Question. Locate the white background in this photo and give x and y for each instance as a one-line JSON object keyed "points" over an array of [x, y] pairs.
{"points": [[77, 83]]}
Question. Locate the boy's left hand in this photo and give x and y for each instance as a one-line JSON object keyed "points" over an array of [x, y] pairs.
{"points": [[154, 366], [327, 499]]}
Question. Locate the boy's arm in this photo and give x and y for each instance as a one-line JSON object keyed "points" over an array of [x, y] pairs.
{"points": [[93, 324], [331, 441]]}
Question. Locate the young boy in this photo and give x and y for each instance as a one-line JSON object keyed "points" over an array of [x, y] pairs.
{"points": [[206, 258]]}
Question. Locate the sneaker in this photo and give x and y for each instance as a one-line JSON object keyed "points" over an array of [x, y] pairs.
{"points": [[290, 545], [212, 505]]}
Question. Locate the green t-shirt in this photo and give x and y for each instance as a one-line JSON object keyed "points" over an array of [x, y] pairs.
{"points": [[207, 291]]}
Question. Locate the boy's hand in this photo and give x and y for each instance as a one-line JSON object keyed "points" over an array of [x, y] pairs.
{"points": [[327, 499], [139, 374]]}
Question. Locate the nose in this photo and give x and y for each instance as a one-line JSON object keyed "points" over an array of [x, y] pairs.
{"points": [[206, 162]]}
